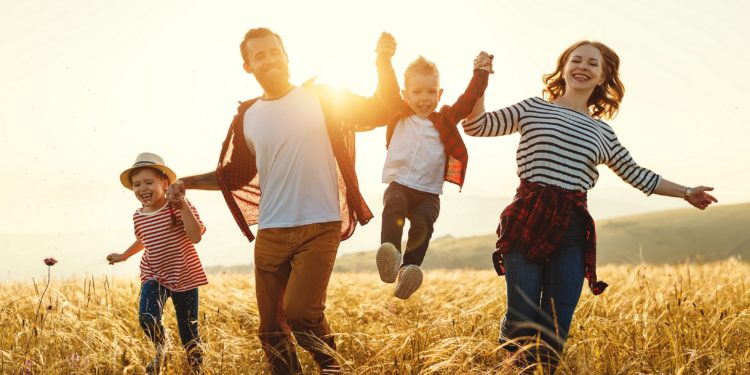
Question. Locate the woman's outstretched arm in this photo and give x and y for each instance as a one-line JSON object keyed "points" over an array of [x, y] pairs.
{"points": [[697, 196]]}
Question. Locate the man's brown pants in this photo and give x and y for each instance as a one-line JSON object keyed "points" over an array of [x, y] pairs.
{"points": [[292, 269]]}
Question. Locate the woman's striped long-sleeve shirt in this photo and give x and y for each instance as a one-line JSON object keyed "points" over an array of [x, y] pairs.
{"points": [[561, 147]]}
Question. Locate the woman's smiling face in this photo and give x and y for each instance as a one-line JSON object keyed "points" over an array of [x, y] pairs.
{"points": [[584, 68]]}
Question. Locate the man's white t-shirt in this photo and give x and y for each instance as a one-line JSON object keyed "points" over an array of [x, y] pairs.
{"points": [[295, 162], [416, 156]]}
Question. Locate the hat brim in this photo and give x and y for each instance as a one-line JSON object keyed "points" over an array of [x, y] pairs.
{"points": [[125, 175]]}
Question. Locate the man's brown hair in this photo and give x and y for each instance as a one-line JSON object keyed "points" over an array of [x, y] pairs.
{"points": [[259, 32]]}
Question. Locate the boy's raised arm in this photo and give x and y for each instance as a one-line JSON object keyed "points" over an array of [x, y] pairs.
{"points": [[465, 103], [388, 90]]}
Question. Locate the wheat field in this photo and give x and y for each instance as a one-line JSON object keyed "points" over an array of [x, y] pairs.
{"points": [[654, 319]]}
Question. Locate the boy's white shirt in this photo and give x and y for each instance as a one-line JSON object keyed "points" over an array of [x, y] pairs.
{"points": [[416, 156], [295, 161]]}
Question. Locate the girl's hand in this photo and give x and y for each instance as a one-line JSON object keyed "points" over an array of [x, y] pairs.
{"points": [[177, 204], [176, 191], [700, 199], [115, 258], [176, 194]]}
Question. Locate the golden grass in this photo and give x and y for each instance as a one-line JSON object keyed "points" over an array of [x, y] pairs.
{"points": [[676, 319]]}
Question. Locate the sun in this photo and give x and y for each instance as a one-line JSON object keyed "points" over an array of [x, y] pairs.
{"points": [[348, 68]]}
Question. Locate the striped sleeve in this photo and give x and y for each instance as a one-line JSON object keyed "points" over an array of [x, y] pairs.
{"points": [[503, 121], [136, 229], [197, 217], [627, 169]]}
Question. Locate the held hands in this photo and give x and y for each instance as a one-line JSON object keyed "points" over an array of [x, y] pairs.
{"points": [[386, 45], [176, 194], [700, 199], [483, 61]]}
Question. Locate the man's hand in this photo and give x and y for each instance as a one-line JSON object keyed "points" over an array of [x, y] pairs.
{"points": [[176, 192], [386, 45], [484, 61]]}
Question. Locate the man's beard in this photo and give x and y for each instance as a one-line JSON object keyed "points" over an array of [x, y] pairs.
{"points": [[274, 82]]}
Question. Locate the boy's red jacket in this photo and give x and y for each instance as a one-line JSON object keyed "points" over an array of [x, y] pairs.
{"points": [[445, 120]]}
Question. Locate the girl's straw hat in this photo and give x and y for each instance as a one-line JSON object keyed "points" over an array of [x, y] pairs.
{"points": [[149, 160]]}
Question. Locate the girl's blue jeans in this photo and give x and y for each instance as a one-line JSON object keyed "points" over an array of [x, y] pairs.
{"points": [[153, 298]]}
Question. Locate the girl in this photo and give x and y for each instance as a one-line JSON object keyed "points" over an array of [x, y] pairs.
{"points": [[546, 240], [170, 266]]}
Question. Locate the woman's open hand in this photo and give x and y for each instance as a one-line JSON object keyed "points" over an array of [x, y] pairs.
{"points": [[700, 199]]}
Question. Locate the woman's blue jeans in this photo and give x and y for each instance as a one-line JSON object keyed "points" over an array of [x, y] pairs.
{"points": [[543, 297]]}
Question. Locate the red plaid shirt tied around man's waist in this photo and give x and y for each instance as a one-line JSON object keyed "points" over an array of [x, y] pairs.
{"points": [[534, 223]]}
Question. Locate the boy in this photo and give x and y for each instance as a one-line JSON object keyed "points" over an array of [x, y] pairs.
{"points": [[424, 150]]}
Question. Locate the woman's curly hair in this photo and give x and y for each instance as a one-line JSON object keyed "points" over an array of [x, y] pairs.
{"points": [[605, 100]]}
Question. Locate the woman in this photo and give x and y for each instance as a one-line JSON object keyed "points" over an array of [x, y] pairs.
{"points": [[546, 236]]}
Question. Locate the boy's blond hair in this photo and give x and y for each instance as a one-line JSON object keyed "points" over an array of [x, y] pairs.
{"points": [[421, 66]]}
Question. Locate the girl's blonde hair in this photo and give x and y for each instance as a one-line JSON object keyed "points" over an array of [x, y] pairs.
{"points": [[605, 100]]}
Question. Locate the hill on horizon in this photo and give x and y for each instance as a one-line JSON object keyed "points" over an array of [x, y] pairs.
{"points": [[670, 236]]}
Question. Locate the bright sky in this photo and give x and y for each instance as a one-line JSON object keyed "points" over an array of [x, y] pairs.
{"points": [[87, 85]]}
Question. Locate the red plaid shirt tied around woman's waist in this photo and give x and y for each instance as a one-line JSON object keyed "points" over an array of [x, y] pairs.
{"points": [[534, 223], [344, 112]]}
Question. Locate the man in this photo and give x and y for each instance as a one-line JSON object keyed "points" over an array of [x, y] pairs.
{"points": [[296, 146]]}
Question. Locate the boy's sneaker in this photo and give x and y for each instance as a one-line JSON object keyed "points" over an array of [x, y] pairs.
{"points": [[409, 280], [388, 260], [154, 367]]}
